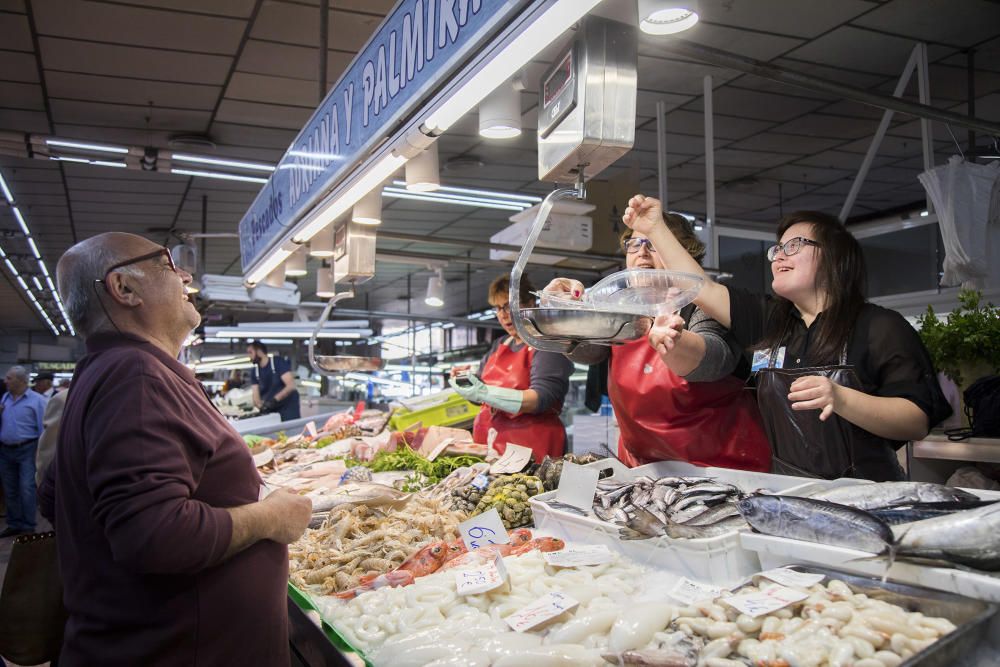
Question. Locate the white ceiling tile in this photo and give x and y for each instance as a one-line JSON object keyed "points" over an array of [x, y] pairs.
{"points": [[15, 31], [112, 115], [115, 60], [136, 26], [857, 49], [964, 24], [131, 91], [749, 44], [27, 96], [678, 77], [823, 125], [725, 127], [16, 66], [24, 121], [779, 143], [734, 101], [263, 115], [273, 89], [234, 8], [225, 133], [803, 19]]}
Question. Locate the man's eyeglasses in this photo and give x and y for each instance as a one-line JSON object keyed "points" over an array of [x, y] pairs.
{"points": [[633, 246], [164, 252], [504, 309], [789, 247]]}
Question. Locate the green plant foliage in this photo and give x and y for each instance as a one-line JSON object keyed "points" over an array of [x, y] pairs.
{"points": [[970, 334]]}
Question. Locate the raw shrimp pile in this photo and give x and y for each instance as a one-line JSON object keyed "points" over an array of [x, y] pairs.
{"points": [[416, 625], [358, 540]]}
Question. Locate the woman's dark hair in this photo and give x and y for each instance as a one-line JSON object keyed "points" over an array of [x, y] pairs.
{"points": [[257, 345], [500, 288], [840, 273]]}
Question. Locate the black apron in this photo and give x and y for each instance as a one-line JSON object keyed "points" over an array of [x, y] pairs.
{"points": [[804, 446]]}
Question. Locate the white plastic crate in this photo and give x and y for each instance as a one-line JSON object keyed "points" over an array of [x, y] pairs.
{"points": [[720, 560], [778, 551]]}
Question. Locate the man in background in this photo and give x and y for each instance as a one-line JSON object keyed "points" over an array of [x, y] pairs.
{"points": [[273, 383], [20, 428], [43, 385]]}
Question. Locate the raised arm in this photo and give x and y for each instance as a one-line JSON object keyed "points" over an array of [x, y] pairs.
{"points": [[645, 215]]}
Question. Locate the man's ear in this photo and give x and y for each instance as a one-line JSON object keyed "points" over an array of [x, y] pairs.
{"points": [[120, 290]]}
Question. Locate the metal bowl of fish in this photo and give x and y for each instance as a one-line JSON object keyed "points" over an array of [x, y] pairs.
{"points": [[592, 326]]}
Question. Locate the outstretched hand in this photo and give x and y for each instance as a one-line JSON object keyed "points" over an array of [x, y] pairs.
{"points": [[643, 214], [665, 333]]}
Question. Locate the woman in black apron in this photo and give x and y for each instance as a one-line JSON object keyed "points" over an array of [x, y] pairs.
{"points": [[842, 383]]}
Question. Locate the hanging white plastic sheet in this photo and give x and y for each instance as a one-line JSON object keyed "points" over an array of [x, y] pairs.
{"points": [[966, 197]]}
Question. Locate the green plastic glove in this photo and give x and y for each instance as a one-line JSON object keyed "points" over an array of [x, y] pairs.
{"points": [[501, 398]]}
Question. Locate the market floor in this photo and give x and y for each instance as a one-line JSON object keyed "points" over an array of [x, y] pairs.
{"points": [[5, 547]]}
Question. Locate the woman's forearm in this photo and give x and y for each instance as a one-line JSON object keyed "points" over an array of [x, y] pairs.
{"points": [[887, 417], [687, 354], [713, 297]]}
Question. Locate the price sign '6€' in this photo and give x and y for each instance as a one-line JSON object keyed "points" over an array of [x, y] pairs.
{"points": [[483, 530]]}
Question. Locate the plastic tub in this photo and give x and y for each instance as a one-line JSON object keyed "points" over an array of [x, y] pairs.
{"points": [[453, 411], [649, 292], [721, 560]]}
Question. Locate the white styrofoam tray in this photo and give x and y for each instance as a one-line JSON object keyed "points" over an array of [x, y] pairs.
{"points": [[720, 560], [777, 551]]}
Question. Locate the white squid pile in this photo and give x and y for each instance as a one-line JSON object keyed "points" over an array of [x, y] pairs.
{"points": [[428, 623]]}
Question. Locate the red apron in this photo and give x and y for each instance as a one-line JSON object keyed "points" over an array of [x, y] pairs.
{"points": [[663, 417], [543, 433]]}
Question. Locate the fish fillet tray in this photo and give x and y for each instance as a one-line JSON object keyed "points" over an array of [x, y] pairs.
{"points": [[720, 560], [777, 551]]}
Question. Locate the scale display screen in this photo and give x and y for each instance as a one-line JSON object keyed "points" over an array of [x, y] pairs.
{"points": [[557, 81]]}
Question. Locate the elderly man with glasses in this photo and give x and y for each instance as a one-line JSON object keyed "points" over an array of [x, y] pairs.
{"points": [[167, 555]]}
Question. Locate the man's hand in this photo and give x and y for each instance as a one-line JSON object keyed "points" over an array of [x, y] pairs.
{"points": [[665, 333], [573, 289], [288, 515], [643, 214], [815, 392], [270, 405]]}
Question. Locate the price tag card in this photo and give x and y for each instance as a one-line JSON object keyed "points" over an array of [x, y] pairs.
{"points": [[441, 446], [543, 609], [480, 481], [764, 602], [482, 530], [689, 592], [577, 485], [482, 579], [311, 429], [515, 459], [787, 577], [597, 554]]}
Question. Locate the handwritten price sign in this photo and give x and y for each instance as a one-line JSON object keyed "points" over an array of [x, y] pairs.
{"points": [[482, 579], [543, 609], [764, 602], [482, 530]]}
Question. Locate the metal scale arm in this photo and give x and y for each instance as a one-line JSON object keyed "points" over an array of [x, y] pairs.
{"points": [[331, 366], [544, 210]]}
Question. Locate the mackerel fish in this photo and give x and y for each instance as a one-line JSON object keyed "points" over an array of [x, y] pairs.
{"points": [[817, 521], [888, 494], [970, 538]]}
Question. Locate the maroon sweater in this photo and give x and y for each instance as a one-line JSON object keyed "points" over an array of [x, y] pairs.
{"points": [[143, 469]]}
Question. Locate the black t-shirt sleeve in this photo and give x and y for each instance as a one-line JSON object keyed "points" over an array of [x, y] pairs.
{"points": [[901, 366], [748, 313]]}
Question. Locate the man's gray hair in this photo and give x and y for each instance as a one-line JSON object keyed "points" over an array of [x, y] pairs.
{"points": [[77, 288], [20, 372]]}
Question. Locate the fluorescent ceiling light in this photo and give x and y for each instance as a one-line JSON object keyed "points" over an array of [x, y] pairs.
{"points": [[326, 157], [539, 34], [441, 198], [38, 283], [488, 194], [86, 146], [20, 221], [6, 191], [11, 267], [239, 334], [98, 163], [667, 17], [45, 271], [219, 162], [34, 248], [219, 175], [23, 284], [372, 178]]}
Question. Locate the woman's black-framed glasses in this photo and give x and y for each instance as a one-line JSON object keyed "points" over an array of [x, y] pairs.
{"points": [[789, 247], [633, 246], [502, 309]]}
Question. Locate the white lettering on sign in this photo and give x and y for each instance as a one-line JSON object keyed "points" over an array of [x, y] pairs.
{"points": [[689, 592], [490, 576], [413, 44]]}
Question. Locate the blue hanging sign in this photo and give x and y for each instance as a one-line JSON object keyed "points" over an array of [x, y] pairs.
{"points": [[417, 45]]}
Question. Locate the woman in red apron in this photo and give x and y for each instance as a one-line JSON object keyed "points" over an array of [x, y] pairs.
{"points": [[521, 389], [680, 394], [842, 382]]}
